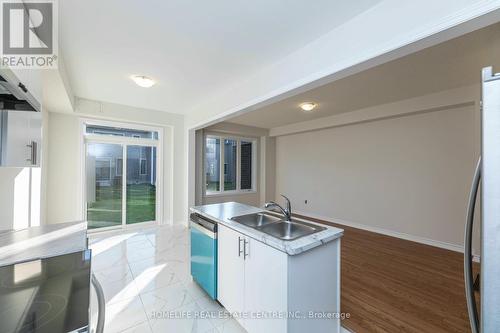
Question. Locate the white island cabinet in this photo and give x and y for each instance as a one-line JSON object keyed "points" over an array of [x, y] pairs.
{"points": [[270, 291]]}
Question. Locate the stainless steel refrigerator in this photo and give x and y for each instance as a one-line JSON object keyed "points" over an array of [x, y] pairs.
{"points": [[488, 176]]}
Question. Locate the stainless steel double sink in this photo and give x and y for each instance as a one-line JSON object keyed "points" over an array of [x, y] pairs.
{"points": [[277, 226]]}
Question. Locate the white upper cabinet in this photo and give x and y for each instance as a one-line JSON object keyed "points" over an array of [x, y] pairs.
{"points": [[20, 138]]}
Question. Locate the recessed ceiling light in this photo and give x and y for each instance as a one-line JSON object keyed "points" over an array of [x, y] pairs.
{"points": [[143, 81], [308, 106]]}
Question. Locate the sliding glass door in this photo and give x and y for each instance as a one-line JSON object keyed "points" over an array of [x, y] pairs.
{"points": [[141, 184], [104, 184], [121, 176]]}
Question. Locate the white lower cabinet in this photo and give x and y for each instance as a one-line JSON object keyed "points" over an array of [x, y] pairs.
{"points": [[230, 270], [252, 281], [261, 286], [265, 288]]}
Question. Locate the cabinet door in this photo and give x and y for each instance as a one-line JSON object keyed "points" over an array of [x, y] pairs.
{"points": [[265, 287], [230, 269], [19, 130]]}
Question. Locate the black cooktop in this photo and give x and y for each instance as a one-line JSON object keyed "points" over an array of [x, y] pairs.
{"points": [[48, 295]]}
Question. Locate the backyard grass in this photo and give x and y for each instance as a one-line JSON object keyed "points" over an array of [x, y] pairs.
{"points": [[106, 211], [214, 186]]}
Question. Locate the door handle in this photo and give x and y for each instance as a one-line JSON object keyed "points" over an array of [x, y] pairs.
{"points": [[245, 253], [34, 150], [240, 251], [469, 281]]}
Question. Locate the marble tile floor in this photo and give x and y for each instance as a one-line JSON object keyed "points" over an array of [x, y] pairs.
{"points": [[147, 284]]}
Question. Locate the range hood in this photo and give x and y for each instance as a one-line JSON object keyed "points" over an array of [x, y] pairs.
{"points": [[16, 97]]}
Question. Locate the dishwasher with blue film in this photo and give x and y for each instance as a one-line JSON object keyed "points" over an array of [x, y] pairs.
{"points": [[204, 253]]}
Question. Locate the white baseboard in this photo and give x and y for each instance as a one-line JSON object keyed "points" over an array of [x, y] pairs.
{"points": [[413, 238]]}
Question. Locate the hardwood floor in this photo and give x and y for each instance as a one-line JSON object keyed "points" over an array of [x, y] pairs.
{"points": [[394, 285]]}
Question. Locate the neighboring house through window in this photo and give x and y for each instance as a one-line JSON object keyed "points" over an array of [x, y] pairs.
{"points": [[103, 169], [143, 167], [119, 166]]}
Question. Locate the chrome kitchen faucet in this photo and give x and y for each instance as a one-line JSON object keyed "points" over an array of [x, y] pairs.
{"points": [[287, 212]]}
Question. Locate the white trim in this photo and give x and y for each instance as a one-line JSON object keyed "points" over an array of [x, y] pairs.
{"points": [[229, 193], [124, 185], [83, 169], [222, 158], [400, 235], [238, 165]]}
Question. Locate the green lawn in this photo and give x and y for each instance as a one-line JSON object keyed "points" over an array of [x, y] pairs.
{"points": [[214, 186], [107, 209]]}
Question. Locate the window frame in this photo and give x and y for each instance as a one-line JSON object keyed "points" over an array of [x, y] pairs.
{"points": [[238, 189]]}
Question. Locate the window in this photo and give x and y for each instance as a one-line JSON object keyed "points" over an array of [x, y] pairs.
{"points": [[143, 167], [231, 168], [212, 164], [246, 165], [230, 155], [119, 166]]}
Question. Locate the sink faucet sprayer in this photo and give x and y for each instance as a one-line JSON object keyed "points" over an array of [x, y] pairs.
{"points": [[286, 211]]}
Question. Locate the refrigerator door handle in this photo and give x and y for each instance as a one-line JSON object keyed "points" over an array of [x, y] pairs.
{"points": [[469, 281]]}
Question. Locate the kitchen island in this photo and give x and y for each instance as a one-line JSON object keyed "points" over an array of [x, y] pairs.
{"points": [[45, 279], [42, 242], [271, 284]]}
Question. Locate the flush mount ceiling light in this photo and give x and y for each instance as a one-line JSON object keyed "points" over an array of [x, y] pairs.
{"points": [[308, 106], [143, 81]]}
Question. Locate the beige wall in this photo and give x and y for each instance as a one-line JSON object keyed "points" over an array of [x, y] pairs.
{"points": [[64, 169], [407, 176], [252, 199], [64, 189]]}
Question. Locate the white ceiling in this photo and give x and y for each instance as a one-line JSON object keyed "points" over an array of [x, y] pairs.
{"points": [[193, 49], [449, 65]]}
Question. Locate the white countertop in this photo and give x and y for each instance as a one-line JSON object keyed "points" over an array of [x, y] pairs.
{"points": [[222, 213], [42, 242]]}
